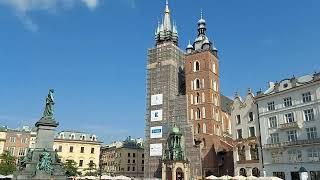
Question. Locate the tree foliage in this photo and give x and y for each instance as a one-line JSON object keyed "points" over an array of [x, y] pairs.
{"points": [[91, 170], [71, 168], [7, 164]]}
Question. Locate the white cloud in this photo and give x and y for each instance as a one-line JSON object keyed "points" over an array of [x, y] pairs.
{"points": [[23, 7]]}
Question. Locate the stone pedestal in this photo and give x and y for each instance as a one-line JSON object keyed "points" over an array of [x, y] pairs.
{"points": [[32, 166]]}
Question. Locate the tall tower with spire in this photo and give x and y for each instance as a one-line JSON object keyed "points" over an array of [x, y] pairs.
{"points": [[165, 99], [204, 101]]}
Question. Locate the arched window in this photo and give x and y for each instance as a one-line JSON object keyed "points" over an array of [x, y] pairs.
{"points": [[197, 83], [198, 128], [256, 172], [198, 114], [243, 172], [72, 136], [204, 128], [61, 136], [198, 98], [203, 97], [196, 66], [83, 137]]}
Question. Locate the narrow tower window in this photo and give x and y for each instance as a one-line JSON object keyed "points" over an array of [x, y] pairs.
{"points": [[198, 98], [197, 84], [198, 114], [196, 66]]}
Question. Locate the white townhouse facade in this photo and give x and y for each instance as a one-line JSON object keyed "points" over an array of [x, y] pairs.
{"points": [[246, 136], [289, 115]]}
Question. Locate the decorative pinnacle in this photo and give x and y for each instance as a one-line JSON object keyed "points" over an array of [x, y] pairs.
{"points": [[201, 14]]}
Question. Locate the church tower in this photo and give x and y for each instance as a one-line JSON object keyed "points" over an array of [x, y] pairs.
{"points": [[164, 73], [204, 102]]}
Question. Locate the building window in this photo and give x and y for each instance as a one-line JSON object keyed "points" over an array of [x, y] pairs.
{"points": [[254, 152], [133, 161], [80, 163], [252, 132], [239, 132], [142, 155], [309, 115], [196, 66], [128, 161], [292, 135], [24, 140], [12, 139], [279, 175], [306, 97], [142, 161], [198, 98], [72, 136], [238, 119], [243, 172], [203, 97], [315, 175], [198, 114], [242, 153], [311, 133], [22, 151], [273, 122], [250, 116], [11, 150], [289, 117], [128, 154], [60, 149], [287, 102], [197, 84], [314, 154], [199, 128], [133, 154], [256, 172], [142, 169], [274, 138], [128, 168], [271, 106], [294, 155], [71, 149], [92, 150], [133, 168], [82, 150]]}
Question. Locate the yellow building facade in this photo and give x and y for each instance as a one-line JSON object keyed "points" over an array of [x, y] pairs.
{"points": [[81, 147], [3, 133]]}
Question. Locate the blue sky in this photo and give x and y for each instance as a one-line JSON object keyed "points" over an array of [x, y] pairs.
{"points": [[93, 53]]}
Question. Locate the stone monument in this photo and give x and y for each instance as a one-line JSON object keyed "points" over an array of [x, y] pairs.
{"points": [[42, 162]]}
